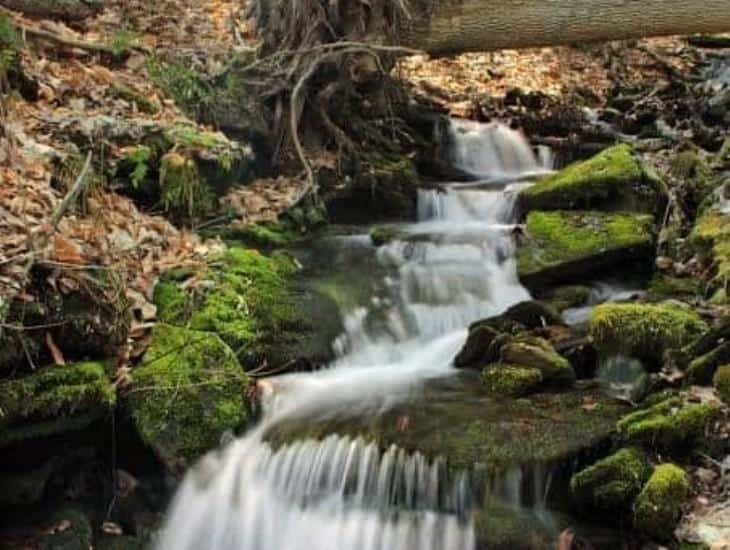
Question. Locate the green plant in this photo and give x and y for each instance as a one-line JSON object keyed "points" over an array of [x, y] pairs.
{"points": [[186, 86], [121, 42], [9, 44], [140, 159]]}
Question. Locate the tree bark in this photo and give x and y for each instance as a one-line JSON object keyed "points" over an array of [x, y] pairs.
{"points": [[68, 10], [446, 27]]}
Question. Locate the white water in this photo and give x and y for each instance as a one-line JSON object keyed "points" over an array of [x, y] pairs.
{"points": [[346, 494]]}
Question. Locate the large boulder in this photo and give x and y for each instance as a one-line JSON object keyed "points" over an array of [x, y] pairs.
{"points": [[562, 246], [54, 400], [644, 331], [614, 179], [251, 302], [674, 425], [659, 505], [187, 392], [612, 482]]}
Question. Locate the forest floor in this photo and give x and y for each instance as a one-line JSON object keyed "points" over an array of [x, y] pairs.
{"points": [[101, 70]]}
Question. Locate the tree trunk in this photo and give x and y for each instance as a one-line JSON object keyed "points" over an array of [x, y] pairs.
{"points": [[68, 10], [453, 26]]}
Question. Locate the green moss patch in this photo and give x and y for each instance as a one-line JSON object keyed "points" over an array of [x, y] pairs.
{"points": [[251, 305], [644, 331], [186, 393], [565, 245], [567, 296], [612, 482], [54, 400], [701, 369], [613, 179], [672, 425], [510, 380], [659, 505], [711, 238], [539, 354], [721, 380]]}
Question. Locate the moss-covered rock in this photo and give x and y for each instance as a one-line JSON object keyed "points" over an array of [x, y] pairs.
{"points": [[612, 482], [252, 305], [672, 425], [644, 331], [614, 179], [382, 234], [266, 235], [701, 369], [510, 380], [481, 347], [663, 287], [721, 381], [711, 238], [565, 245], [539, 354], [659, 505], [187, 392], [696, 178], [54, 400]]}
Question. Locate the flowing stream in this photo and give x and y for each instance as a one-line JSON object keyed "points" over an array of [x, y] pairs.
{"points": [[454, 266]]}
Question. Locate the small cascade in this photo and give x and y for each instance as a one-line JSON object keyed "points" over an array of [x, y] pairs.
{"points": [[453, 267]]}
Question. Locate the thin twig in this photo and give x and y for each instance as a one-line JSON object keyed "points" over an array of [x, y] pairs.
{"points": [[71, 196]]}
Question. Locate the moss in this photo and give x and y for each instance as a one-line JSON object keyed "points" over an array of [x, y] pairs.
{"points": [[562, 244], [701, 369], [510, 380], [696, 177], [612, 482], [538, 353], [252, 306], [644, 331], [143, 103], [173, 303], [267, 235], [671, 425], [721, 381], [75, 536], [54, 400], [614, 178], [471, 429], [186, 393], [659, 505], [711, 238], [662, 287], [567, 296]]}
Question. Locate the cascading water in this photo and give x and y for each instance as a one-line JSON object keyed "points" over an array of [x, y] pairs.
{"points": [[453, 267]]}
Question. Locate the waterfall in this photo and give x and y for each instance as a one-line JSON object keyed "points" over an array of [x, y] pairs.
{"points": [[453, 267]]}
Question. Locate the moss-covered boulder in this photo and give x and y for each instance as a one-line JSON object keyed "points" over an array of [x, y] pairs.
{"points": [[254, 306], [510, 380], [54, 400], [721, 381], [612, 482], [187, 392], [562, 246], [614, 179], [538, 353], [673, 425], [644, 331], [710, 237], [701, 369], [659, 505]]}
